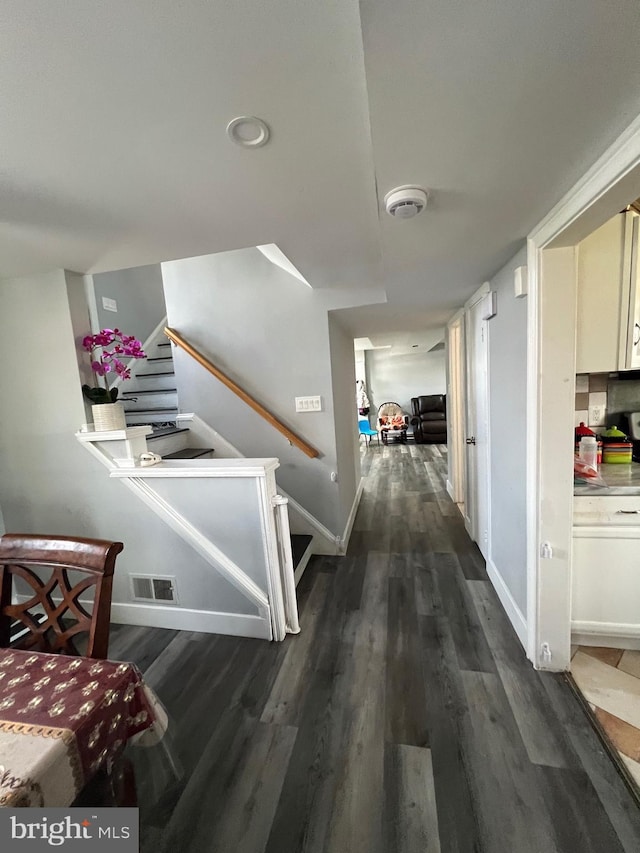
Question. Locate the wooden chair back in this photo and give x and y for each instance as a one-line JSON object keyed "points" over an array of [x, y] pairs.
{"points": [[64, 615]]}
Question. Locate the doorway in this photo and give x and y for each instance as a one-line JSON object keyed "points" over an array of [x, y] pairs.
{"points": [[476, 509], [603, 192], [456, 393]]}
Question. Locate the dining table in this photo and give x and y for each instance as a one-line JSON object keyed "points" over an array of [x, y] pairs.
{"points": [[63, 719]]}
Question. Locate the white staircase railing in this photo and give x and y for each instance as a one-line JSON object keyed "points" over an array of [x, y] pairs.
{"points": [[228, 511], [286, 564]]}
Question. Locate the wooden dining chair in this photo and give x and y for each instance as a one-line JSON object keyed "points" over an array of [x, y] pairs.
{"points": [[51, 612]]}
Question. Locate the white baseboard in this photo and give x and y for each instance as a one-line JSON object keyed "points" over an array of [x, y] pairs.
{"points": [[614, 635], [450, 491], [508, 602], [182, 619], [344, 542]]}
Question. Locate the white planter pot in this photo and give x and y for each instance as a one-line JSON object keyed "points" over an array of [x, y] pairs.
{"points": [[108, 416]]}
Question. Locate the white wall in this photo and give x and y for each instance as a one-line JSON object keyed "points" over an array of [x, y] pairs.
{"points": [[343, 380], [361, 369], [507, 425], [270, 333], [398, 378], [49, 483], [139, 296]]}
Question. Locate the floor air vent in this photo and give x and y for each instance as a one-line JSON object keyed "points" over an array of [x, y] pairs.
{"points": [[149, 588]]}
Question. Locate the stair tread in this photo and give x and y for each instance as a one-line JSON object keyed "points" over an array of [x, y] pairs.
{"points": [[159, 373], [299, 544], [163, 433], [165, 344], [160, 358], [150, 409], [188, 453], [147, 391]]}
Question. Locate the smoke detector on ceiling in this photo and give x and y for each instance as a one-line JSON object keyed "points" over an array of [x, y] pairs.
{"points": [[405, 202]]}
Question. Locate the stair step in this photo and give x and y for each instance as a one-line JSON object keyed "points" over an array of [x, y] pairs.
{"points": [[189, 453], [165, 344], [159, 373], [299, 544], [169, 439], [128, 394], [151, 410], [150, 418], [158, 400], [160, 358], [163, 433]]}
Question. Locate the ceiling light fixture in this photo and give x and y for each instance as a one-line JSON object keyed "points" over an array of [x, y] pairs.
{"points": [[248, 131], [405, 202]]}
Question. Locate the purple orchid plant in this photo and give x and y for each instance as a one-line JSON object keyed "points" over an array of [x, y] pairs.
{"points": [[108, 349]]}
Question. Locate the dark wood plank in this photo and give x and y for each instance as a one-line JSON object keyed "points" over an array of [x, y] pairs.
{"points": [[509, 804], [332, 795], [445, 708], [576, 814], [469, 638], [469, 556], [250, 801], [410, 817], [542, 734], [612, 793], [405, 706], [286, 702]]}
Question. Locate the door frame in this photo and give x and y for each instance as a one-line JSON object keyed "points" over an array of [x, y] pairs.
{"points": [[456, 379], [471, 522], [604, 190]]}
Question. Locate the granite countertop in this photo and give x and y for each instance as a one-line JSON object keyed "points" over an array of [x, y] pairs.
{"points": [[620, 480]]}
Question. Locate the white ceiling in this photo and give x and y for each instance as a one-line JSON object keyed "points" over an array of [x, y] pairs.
{"points": [[113, 151]]}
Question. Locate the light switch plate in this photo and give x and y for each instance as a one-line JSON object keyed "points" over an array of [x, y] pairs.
{"points": [[308, 404], [109, 304]]}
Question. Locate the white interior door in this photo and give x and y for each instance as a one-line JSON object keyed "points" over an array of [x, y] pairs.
{"points": [[477, 421], [456, 425]]}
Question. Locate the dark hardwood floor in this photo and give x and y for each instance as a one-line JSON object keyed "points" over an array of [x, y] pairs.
{"points": [[403, 719]]}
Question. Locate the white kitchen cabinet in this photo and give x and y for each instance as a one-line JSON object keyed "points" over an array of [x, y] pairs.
{"points": [[631, 355], [605, 571], [608, 310]]}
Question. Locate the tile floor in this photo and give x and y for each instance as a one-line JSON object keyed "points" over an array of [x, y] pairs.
{"points": [[609, 679]]}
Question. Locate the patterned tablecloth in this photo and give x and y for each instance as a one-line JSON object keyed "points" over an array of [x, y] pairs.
{"points": [[61, 719]]}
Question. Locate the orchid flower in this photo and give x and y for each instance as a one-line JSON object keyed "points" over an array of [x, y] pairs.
{"points": [[104, 361]]}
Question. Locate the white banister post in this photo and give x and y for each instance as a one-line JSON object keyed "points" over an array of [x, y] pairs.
{"points": [[286, 564]]}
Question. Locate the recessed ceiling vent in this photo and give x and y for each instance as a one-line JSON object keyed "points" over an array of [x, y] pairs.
{"points": [[405, 202], [149, 588], [248, 131]]}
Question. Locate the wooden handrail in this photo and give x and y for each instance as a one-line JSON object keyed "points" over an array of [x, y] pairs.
{"points": [[232, 386]]}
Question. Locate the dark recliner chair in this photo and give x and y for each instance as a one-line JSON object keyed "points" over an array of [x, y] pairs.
{"points": [[429, 419]]}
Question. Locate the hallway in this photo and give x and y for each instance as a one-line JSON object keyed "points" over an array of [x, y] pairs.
{"points": [[403, 719]]}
